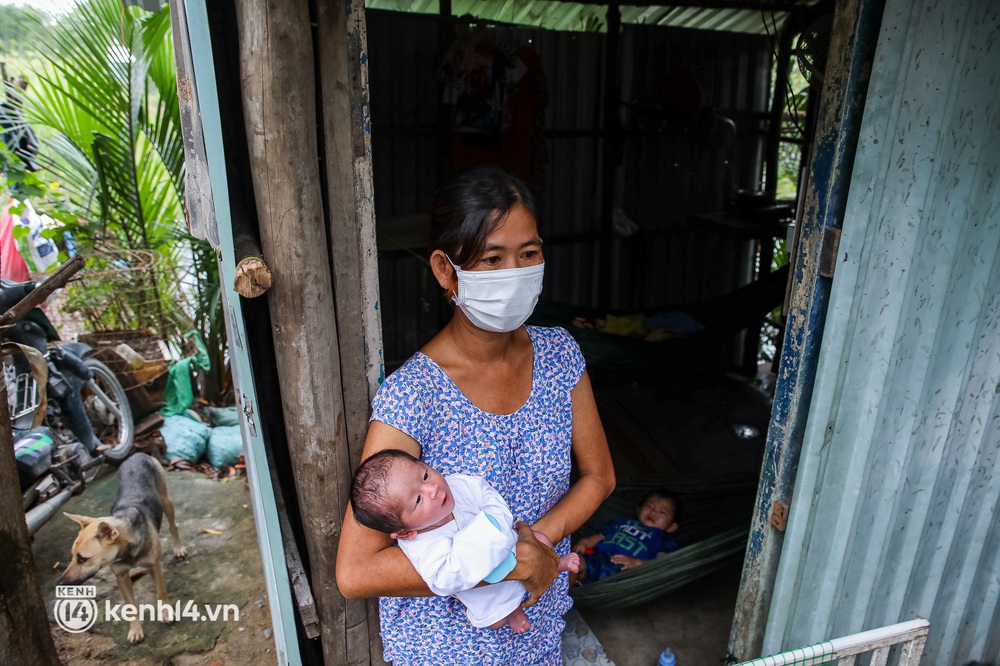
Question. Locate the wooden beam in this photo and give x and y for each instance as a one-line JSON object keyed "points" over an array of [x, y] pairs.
{"points": [[610, 151], [278, 80], [345, 127], [198, 206]]}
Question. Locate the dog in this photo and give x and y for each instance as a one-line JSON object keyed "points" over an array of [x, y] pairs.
{"points": [[130, 537]]}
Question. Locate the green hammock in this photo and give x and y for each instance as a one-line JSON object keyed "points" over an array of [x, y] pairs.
{"points": [[715, 526]]}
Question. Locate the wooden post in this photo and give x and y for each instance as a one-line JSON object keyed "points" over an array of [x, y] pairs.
{"points": [[253, 277], [25, 637], [278, 83], [610, 151], [346, 142], [197, 190]]}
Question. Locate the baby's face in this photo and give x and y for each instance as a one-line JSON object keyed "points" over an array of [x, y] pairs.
{"points": [[658, 512], [422, 493]]}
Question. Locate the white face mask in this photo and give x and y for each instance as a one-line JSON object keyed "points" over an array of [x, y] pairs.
{"points": [[500, 300]]}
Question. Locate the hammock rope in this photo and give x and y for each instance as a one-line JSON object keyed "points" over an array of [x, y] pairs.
{"points": [[715, 526]]}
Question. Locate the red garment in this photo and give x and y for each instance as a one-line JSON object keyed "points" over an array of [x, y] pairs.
{"points": [[12, 266], [518, 140]]}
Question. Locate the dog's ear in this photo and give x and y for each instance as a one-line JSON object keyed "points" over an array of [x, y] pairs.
{"points": [[82, 521], [106, 532]]}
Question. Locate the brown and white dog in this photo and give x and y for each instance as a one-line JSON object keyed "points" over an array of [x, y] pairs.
{"points": [[129, 537]]}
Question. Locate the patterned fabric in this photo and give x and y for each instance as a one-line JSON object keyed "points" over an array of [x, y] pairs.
{"points": [[525, 456]]}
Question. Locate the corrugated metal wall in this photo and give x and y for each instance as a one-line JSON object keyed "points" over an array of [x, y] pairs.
{"points": [[672, 173], [667, 173], [896, 504]]}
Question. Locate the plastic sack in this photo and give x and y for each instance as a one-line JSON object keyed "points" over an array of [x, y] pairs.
{"points": [[223, 416], [224, 446], [184, 437], [39, 253], [178, 392]]}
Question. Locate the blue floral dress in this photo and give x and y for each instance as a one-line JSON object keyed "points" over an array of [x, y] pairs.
{"points": [[525, 456]]}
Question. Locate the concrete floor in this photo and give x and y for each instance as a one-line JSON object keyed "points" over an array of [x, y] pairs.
{"points": [[693, 621], [223, 567]]}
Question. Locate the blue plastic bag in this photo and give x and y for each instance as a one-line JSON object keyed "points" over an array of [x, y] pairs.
{"points": [[185, 438], [224, 446]]}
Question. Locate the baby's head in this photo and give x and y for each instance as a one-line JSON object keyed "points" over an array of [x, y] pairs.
{"points": [[395, 493], [660, 508]]}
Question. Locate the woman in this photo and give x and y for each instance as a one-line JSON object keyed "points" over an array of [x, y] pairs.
{"points": [[491, 397]]}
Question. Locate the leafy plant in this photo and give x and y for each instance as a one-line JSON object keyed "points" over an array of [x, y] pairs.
{"points": [[108, 93], [15, 179], [20, 26]]}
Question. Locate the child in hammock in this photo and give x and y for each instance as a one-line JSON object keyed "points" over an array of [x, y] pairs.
{"points": [[626, 543], [456, 531]]}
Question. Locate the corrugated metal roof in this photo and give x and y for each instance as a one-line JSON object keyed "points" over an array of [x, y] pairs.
{"points": [[588, 17]]}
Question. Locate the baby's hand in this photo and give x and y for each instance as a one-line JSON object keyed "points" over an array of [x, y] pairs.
{"points": [[626, 561], [580, 547]]}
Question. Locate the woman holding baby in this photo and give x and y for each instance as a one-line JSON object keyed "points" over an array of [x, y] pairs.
{"points": [[491, 397]]}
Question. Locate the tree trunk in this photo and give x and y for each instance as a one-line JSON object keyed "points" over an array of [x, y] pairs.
{"points": [[24, 627], [278, 82]]}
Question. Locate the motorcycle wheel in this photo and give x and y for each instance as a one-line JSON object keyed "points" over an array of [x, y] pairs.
{"points": [[114, 431]]}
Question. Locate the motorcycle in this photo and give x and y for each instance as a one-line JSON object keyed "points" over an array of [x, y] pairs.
{"points": [[69, 413]]}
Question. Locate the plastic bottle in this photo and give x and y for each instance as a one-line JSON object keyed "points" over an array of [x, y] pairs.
{"points": [[667, 658]]}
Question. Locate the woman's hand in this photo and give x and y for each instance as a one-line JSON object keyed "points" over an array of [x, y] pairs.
{"points": [[537, 564], [626, 561]]}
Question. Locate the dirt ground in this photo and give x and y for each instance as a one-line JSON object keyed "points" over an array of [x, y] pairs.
{"points": [[223, 567]]}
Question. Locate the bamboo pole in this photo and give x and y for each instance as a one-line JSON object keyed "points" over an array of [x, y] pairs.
{"points": [[278, 83], [345, 127]]}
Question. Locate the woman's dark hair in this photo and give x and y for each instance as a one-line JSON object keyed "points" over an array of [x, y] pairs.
{"points": [[369, 498], [470, 206], [663, 493]]}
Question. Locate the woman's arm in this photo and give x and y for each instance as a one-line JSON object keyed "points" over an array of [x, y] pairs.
{"points": [[593, 460], [369, 563]]}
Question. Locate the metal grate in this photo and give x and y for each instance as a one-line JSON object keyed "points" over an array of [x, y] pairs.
{"points": [[910, 636]]}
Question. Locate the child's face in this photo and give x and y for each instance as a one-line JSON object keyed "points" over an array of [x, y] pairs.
{"points": [[422, 493], [658, 512]]}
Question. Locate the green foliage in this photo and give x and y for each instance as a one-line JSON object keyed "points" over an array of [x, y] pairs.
{"points": [[15, 179], [792, 127], [108, 94], [21, 28]]}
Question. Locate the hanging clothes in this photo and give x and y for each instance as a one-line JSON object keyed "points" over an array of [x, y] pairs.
{"points": [[497, 96]]}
